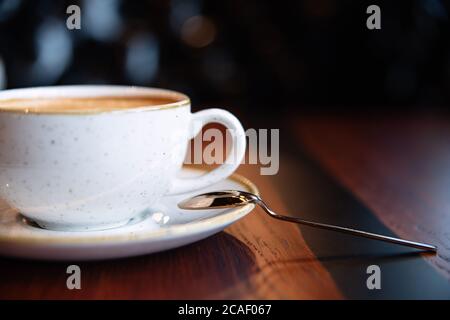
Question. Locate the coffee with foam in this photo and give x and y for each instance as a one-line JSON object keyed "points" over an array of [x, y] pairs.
{"points": [[85, 104]]}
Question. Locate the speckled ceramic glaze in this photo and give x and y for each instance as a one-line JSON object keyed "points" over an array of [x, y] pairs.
{"points": [[168, 227], [97, 170]]}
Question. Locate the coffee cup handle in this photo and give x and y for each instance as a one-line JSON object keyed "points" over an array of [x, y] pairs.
{"points": [[237, 150]]}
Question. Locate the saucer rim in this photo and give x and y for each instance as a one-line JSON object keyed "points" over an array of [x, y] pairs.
{"points": [[202, 225]]}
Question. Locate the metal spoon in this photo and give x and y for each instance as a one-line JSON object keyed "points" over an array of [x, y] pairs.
{"points": [[234, 198]]}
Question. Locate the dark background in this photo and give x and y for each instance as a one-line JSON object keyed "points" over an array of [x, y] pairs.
{"points": [[260, 59]]}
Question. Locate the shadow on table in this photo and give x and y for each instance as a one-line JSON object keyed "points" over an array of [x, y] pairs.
{"points": [[357, 258], [405, 272], [203, 270]]}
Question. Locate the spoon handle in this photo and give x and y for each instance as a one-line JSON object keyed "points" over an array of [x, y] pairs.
{"points": [[360, 233]]}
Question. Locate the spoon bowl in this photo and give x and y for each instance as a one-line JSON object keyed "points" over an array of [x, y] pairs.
{"points": [[218, 200]]}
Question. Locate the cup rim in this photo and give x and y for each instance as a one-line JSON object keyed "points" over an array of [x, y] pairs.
{"points": [[85, 91]]}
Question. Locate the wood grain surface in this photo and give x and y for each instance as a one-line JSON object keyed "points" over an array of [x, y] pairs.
{"points": [[398, 166], [254, 258]]}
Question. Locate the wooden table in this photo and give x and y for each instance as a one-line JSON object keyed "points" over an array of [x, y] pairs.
{"points": [[383, 174]]}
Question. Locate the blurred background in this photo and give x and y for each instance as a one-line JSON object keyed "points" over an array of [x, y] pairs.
{"points": [[259, 59]]}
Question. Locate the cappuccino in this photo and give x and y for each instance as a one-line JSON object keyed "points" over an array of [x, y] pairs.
{"points": [[85, 104]]}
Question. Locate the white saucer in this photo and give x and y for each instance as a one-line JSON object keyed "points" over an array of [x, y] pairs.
{"points": [[168, 228]]}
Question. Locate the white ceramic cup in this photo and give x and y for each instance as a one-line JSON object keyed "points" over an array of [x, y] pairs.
{"points": [[97, 169]]}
